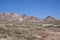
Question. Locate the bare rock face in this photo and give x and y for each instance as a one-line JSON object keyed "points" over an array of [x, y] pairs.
{"points": [[21, 19]]}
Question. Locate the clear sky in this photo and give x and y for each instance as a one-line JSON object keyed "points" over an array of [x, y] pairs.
{"points": [[37, 8]]}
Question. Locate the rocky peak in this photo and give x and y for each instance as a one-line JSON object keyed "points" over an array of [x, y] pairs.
{"points": [[7, 14], [15, 15], [49, 17], [24, 16], [50, 20]]}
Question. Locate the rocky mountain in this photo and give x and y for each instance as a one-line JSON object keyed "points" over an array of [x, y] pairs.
{"points": [[49, 20], [9, 17], [15, 27]]}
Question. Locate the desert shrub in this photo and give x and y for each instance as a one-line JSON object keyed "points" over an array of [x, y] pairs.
{"points": [[5, 31], [31, 38]]}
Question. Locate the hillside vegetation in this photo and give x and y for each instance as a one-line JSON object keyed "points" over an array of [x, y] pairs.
{"points": [[15, 27]]}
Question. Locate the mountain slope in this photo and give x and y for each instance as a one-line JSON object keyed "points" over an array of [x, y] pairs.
{"points": [[15, 27]]}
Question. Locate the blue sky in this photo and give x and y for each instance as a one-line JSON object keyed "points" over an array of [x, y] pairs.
{"points": [[37, 8]]}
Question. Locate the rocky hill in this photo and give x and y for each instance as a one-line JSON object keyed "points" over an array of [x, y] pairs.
{"points": [[15, 27]]}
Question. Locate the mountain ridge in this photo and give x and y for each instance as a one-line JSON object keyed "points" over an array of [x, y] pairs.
{"points": [[15, 27], [15, 17]]}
